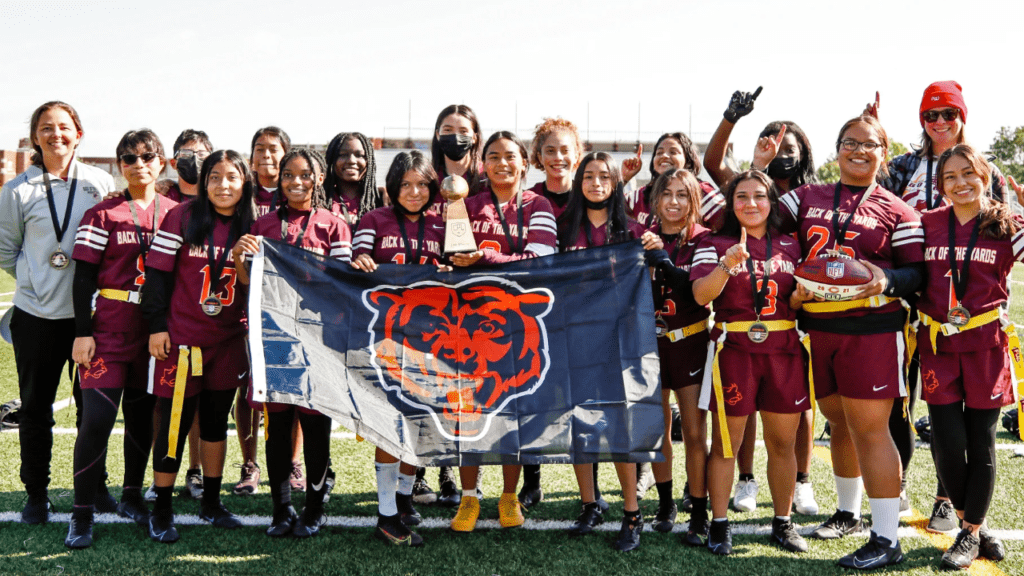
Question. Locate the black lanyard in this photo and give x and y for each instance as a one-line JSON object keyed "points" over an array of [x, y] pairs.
{"points": [[420, 231], [143, 246], [759, 295], [960, 278], [515, 249], [284, 227], [217, 264], [928, 187], [840, 233], [58, 228]]}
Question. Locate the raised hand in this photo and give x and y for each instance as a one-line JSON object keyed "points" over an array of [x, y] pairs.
{"points": [[631, 166], [737, 254], [872, 108], [766, 149], [741, 104], [1017, 188]]}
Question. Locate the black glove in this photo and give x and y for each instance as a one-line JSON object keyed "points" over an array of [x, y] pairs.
{"points": [[741, 104], [657, 258]]}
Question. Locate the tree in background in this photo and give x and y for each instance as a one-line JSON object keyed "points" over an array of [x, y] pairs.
{"points": [[1008, 149], [828, 173]]}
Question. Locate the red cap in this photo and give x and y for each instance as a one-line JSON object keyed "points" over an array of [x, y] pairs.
{"points": [[945, 94]]}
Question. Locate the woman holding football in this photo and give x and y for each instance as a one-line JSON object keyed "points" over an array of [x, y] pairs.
{"points": [[856, 218], [971, 245], [746, 269]]}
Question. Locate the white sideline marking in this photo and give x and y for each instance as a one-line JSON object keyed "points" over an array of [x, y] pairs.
{"points": [[443, 523], [7, 294], [74, 432], [62, 404]]}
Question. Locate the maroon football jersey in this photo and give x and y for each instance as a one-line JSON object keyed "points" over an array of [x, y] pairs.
{"points": [[379, 236], [736, 302], [884, 231], [991, 262], [347, 209], [107, 237], [540, 234], [599, 235], [558, 200], [711, 206], [174, 193], [680, 309], [327, 235], [264, 199], [186, 321]]}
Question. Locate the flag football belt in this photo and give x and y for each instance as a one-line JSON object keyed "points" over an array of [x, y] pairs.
{"points": [[180, 381], [1012, 345], [121, 295], [716, 374], [683, 333]]}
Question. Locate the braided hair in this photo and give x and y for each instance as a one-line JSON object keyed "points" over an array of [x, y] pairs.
{"points": [[317, 164], [370, 197]]}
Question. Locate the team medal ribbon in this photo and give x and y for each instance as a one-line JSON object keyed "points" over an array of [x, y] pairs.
{"points": [[660, 325], [143, 246], [420, 231], [958, 315], [514, 248], [59, 260], [284, 228], [758, 331], [840, 232], [212, 305]]}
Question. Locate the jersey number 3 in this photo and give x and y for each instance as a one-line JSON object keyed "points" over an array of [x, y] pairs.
{"points": [[227, 297]]}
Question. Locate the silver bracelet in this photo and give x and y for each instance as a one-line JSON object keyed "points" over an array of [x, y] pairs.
{"points": [[729, 271]]}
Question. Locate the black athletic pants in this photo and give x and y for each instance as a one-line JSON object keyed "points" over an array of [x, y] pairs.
{"points": [[964, 448]]}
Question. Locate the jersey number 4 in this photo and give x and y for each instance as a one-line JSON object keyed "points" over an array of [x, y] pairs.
{"points": [[227, 297]]}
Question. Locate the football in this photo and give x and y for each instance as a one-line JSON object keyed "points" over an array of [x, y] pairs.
{"points": [[832, 277]]}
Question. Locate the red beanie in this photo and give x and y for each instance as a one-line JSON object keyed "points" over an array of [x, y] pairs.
{"points": [[946, 94]]}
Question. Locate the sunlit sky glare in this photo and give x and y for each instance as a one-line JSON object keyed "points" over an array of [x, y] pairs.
{"points": [[319, 68]]}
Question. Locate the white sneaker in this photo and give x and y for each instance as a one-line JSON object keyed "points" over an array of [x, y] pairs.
{"points": [[803, 499], [745, 495], [150, 496]]}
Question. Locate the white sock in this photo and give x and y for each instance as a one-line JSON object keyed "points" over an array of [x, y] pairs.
{"points": [[387, 482], [783, 518], [405, 482], [885, 517], [719, 519], [466, 493], [849, 492]]}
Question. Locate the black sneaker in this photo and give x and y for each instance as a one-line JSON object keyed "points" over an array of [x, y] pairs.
{"points": [[80, 529], [840, 524], [309, 523], [133, 507], [530, 495], [876, 553], [990, 547], [393, 531], [194, 484], [283, 521], [785, 536], [720, 538], [330, 479], [37, 510], [161, 527], [644, 480], [687, 502], [422, 493], [220, 516], [629, 535], [406, 511], [963, 551], [450, 497], [697, 531], [665, 519], [602, 504], [104, 502], [943, 518], [589, 517]]}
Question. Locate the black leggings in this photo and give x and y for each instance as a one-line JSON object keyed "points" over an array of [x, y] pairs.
{"points": [[964, 448], [214, 406], [99, 412], [316, 450]]}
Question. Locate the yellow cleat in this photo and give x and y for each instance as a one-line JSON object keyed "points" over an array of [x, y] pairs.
{"points": [[510, 511], [465, 518]]}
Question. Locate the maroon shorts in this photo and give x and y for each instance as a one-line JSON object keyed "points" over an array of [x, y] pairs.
{"points": [[753, 382], [682, 363], [866, 367], [988, 384], [103, 373], [225, 367]]}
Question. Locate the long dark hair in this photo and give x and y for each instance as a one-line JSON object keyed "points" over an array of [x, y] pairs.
{"points": [[575, 215], [806, 172], [370, 197], [996, 219], [201, 213], [510, 136], [405, 162], [33, 124], [437, 157], [317, 164], [693, 194], [731, 226]]}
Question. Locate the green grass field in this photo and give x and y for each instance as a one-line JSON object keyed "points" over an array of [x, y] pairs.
{"points": [[540, 548]]}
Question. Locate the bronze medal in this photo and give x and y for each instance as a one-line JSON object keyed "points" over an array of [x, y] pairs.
{"points": [[958, 316], [212, 306], [660, 327], [59, 260], [758, 332]]}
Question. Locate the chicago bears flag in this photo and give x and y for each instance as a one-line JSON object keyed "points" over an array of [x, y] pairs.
{"points": [[546, 360]]}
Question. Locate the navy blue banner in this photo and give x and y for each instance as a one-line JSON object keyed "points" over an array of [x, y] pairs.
{"points": [[547, 360]]}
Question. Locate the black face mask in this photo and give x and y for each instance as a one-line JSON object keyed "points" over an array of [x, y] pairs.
{"points": [[591, 205], [784, 168], [455, 146], [188, 169]]}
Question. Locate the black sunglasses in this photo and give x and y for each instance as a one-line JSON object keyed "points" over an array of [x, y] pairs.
{"points": [[949, 114], [130, 159]]}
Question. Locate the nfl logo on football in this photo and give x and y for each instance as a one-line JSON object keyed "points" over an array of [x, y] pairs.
{"points": [[835, 270]]}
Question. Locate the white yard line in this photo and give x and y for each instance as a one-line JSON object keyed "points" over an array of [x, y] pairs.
{"points": [[74, 431]]}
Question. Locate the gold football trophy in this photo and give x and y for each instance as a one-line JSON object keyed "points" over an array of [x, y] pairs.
{"points": [[458, 236]]}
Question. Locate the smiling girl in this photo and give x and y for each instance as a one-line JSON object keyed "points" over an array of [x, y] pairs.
{"points": [[556, 150], [351, 182]]}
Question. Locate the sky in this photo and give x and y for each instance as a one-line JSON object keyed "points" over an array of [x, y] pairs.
{"points": [[613, 68]]}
